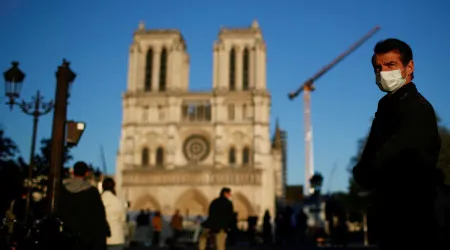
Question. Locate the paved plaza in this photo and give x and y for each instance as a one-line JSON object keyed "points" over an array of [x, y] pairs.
{"points": [[246, 247]]}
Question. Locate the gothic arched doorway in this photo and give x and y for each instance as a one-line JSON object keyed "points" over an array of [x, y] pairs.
{"points": [[146, 201], [192, 202], [242, 206]]}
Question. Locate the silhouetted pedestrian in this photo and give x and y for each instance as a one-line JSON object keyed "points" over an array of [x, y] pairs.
{"points": [[177, 226], [82, 211], [267, 228], [157, 228], [219, 220]]}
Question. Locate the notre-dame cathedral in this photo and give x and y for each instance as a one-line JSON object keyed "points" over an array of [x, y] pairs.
{"points": [[179, 148]]}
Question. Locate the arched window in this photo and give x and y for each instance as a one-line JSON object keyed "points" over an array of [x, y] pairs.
{"points": [[232, 156], [200, 112], [208, 112], [244, 112], [163, 70], [145, 157], [160, 157], [145, 113], [148, 71], [246, 156], [161, 113], [231, 112], [245, 69], [232, 70]]}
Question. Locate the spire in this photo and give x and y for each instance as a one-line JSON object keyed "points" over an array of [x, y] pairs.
{"points": [[141, 25], [277, 140], [255, 24]]}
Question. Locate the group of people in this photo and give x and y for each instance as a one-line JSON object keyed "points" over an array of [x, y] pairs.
{"points": [[96, 221], [91, 220], [217, 225], [151, 226]]}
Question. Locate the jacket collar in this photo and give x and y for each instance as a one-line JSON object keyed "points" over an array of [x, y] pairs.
{"points": [[403, 92]]}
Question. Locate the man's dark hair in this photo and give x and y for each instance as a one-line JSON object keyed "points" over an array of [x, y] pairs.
{"points": [[394, 44], [80, 168], [224, 191]]}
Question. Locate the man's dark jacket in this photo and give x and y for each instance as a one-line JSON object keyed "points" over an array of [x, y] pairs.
{"points": [[83, 213], [398, 164], [220, 215]]}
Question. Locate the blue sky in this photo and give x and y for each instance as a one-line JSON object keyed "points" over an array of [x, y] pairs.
{"points": [[301, 37]]}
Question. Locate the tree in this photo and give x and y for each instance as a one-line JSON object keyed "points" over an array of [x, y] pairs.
{"points": [[42, 160], [11, 176], [8, 148], [8, 153]]}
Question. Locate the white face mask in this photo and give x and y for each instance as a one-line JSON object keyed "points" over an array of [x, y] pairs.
{"points": [[390, 81]]}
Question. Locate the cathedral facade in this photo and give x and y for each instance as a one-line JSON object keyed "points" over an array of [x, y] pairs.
{"points": [[179, 148]]}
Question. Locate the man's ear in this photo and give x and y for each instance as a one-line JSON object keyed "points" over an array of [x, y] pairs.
{"points": [[410, 67]]}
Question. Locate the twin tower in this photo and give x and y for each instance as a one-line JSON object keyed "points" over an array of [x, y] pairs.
{"points": [[159, 61]]}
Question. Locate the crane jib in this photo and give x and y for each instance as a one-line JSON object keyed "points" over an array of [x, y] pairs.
{"points": [[306, 88], [329, 66]]}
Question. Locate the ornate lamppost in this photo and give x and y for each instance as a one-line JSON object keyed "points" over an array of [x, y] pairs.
{"points": [[36, 107]]}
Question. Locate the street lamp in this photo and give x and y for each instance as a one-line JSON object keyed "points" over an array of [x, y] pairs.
{"points": [[13, 83], [36, 107]]}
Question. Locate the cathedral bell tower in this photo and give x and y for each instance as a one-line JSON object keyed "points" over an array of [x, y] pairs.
{"points": [[158, 61], [239, 59]]}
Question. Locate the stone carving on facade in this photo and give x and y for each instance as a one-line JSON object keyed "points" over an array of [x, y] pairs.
{"points": [[128, 159], [238, 138], [219, 90], [161, 113], [171, 146], [129, 145], [151, 139], [216, 47], [193, 178], [179, 46], [129, 150], [145, 113], [220, 146]]}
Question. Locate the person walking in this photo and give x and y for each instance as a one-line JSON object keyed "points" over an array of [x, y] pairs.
{"points": [[177, 226], [157, 228], [219, 220]]}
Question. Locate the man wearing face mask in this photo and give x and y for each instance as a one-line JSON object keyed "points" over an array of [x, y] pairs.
{"points": [[399, 160]]}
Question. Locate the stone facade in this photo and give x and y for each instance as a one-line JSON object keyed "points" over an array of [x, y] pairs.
{"points": [[179, 148]]}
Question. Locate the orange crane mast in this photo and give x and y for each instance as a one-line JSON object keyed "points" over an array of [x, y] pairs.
{"points": [[306, 88]]}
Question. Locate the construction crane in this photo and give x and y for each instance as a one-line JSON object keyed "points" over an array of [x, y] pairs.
{"points": [[102, 155], [307, 87], [330, 178]]}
